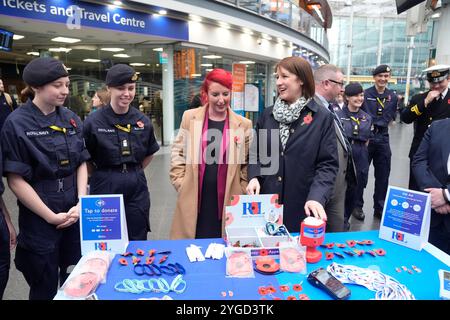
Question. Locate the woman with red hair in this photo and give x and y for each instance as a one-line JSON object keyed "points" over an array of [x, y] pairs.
{"points": [[209, 160]]}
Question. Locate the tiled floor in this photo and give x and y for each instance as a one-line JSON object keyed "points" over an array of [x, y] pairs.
{"points": [[163, 198]]}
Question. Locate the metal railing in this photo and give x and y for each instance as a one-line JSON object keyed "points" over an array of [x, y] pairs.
{"points": [[287, 13]]}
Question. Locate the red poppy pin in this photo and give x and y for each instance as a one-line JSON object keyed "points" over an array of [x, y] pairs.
{"points": [[307, 119], [448, 101], [237, 139], [140, 124], [73, 123]]}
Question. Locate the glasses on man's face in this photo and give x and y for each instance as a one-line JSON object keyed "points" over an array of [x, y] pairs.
{"points": [[337, 82]]}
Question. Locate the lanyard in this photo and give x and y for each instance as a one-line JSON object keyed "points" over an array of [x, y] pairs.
{"points": [[381, 103], [355, 119], [127, 129], [56, 128]]}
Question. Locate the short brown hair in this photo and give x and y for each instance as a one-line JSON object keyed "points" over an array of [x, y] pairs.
{"points": [[302, 69], [104, 96]]}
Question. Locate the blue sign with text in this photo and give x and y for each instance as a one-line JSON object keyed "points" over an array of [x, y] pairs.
{"points": [[78, 14], [404, 212], [101, 218]]}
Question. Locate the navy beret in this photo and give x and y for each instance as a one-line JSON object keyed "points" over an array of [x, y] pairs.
{"points": [[353, 89], [120, 74], [381, 68], [40, 71]]}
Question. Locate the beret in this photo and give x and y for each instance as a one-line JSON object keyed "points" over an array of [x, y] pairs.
{"points": [[120, 74], [380, 69], [40, 71], [353, 89]]}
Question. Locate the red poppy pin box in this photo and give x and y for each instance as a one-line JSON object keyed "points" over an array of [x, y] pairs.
{"points": [[255, 221]]}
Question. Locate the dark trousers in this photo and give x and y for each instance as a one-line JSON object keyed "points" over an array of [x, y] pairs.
{"points": [[440, 237], [43, 272], [412, 179], [354, 194], [5, 255], [380, 154], [133, 185]]}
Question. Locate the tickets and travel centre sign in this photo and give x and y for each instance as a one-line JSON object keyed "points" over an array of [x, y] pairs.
{"points": [[78, 14]]}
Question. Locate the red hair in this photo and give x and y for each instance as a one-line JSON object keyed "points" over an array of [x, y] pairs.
{"points": [[220, 76]]}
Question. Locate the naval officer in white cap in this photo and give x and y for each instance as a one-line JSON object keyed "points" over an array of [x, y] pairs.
{"points": [[425, 108]]}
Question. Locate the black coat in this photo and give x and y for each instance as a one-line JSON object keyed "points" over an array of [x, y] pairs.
{"points": [[306, 169], [430, 164], [423, 117]]}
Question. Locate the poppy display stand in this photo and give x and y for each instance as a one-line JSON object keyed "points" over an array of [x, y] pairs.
{"points": [[312, 234]]}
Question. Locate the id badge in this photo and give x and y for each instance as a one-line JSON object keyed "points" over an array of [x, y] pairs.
{"points": [[355, 130], [379, 111], [126, 150]]}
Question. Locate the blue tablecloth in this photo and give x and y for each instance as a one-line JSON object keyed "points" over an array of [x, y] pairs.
{"points": [[206, 280]]}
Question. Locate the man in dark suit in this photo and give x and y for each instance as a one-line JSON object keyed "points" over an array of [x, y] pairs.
{"points": [[424, 108], [329, 84], [431, 168]]}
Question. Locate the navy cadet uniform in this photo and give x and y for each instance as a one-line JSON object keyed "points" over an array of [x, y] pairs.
{"points": [[423, 116], [46, 151], [5, 255], [118, 144], [382, 108], [358, 129]]}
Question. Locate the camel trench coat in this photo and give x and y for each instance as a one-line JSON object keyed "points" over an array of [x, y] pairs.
{"points": [[184, 169]]}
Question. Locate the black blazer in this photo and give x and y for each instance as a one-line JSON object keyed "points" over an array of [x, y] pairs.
{"points": [[430, 164], [305, 170]]}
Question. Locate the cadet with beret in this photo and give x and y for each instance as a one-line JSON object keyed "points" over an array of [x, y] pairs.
{"points": [[44, 160], [122, 142], [381, 104], [425, 108], [358, 129]]}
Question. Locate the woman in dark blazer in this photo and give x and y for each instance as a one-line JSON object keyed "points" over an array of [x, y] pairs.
{"points": [[294, 153], [431, 168]]}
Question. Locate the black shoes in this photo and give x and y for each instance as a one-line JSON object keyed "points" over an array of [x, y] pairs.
{"points": [[377, 214], [358, 214]]}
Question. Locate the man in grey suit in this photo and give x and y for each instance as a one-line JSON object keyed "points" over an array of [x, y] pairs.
{"points": [[329, 83]]}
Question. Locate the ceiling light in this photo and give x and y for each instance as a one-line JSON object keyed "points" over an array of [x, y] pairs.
{"points": [[18, 37], [195, 18], [92, 60], [436, 15], [247, 31], [212, 56], [117, 3], [162, 12], [66, 40], [266, 36], [84, 47], [121, 55], [137, 64], [206, 65], [33, 53], [247, 62], [208, 70], [112, 49], [195, 75], [224, 25], [158, 49], [59, 49]]}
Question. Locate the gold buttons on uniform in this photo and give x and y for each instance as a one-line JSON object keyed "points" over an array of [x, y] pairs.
{"points": [[280, 179], [292, 130], [282, 153]]}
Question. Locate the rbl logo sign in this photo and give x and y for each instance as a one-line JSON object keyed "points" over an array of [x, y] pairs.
{"points": [[251, 208], [102, 246], [398, 236]]}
